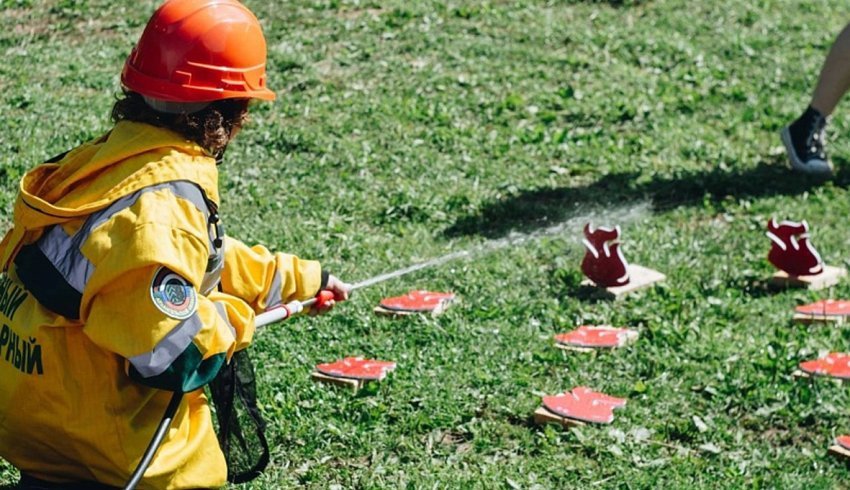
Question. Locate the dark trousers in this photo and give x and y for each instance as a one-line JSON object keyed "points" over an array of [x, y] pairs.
{"points": [[29, 483]]}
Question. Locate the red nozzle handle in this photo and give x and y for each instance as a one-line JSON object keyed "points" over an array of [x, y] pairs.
{"points": [[323, 297]]}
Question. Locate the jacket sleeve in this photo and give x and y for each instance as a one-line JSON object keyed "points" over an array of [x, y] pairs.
{"points": [[142, 301], [264, 279]]}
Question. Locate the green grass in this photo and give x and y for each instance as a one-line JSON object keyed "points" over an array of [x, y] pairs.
{"points": [[406, 130]]}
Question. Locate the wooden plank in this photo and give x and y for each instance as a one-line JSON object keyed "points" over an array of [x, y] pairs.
{"points": [[839, 452], [802, 375], [385, 312], [353, 384], [576, 348], [380, 310], [805, 319], [543, 416], [630, 339], [639, 278], [829, 277]]}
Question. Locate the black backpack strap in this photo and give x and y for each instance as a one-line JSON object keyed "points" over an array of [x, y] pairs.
{"points": [[242, 430]]}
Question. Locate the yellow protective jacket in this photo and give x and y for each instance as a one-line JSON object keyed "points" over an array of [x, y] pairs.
{"points": [[109, 304]]}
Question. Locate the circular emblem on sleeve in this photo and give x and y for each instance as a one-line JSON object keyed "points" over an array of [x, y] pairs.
{"points": [[173, 295]]}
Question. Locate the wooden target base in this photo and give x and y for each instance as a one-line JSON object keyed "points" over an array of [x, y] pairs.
{"points": [[543, 416], [583, 350], [839, 452], [829, 277], [836, 320], [380, 310], [801, 375], [639, 278], [629, 339], [350, 383]]}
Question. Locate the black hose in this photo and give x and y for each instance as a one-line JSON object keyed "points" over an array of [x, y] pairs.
{"points": [[158, 436]]}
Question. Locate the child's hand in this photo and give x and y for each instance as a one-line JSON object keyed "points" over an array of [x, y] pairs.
{"points": [[341, 291]]}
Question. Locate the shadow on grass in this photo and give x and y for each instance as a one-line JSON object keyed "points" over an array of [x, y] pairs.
{"points": [[526, 422], [755, 286], [537, 208], [615, 3]]}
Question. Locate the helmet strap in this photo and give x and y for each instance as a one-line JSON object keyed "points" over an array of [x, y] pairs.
{"points": [[219, 157]]}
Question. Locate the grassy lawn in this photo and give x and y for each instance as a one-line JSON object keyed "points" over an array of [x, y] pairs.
{"points": [[408, 130]]}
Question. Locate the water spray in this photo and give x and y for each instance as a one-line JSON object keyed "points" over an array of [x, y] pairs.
{"points": [[618, 215]]}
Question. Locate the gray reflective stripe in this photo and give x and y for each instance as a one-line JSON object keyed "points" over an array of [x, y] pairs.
{"points": [[222, 312], [63, 251], [58, 247], [185, 190], [168, 349], [273, 298]]}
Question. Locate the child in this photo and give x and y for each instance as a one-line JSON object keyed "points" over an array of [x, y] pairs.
{"points": [[119, 285]]}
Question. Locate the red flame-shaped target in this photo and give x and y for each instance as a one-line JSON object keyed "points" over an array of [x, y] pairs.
{"points": [[843, 441], [600, 336], [357, 368], [835, 365], [584, 404], [603, 261], [791, 251]]}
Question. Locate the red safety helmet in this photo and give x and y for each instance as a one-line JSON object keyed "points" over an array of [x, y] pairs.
{"points": [[199, 51]]}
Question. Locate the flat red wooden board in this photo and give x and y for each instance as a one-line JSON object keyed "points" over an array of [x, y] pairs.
{"points": [[584, 404], [417, 301], [357, 368], [602, 336]]}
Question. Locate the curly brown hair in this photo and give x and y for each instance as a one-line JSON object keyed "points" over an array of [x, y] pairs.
{"points": [[211, 127]]}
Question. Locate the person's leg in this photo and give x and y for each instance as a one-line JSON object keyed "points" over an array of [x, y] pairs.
{"points": [[804, 138], [834, 80]]}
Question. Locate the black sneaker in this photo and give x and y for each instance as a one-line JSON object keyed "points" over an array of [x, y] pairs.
{"points": [[804, 142]]}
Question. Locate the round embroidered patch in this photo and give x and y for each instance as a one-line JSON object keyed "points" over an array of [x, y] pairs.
{"points": [[173, 295]]}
